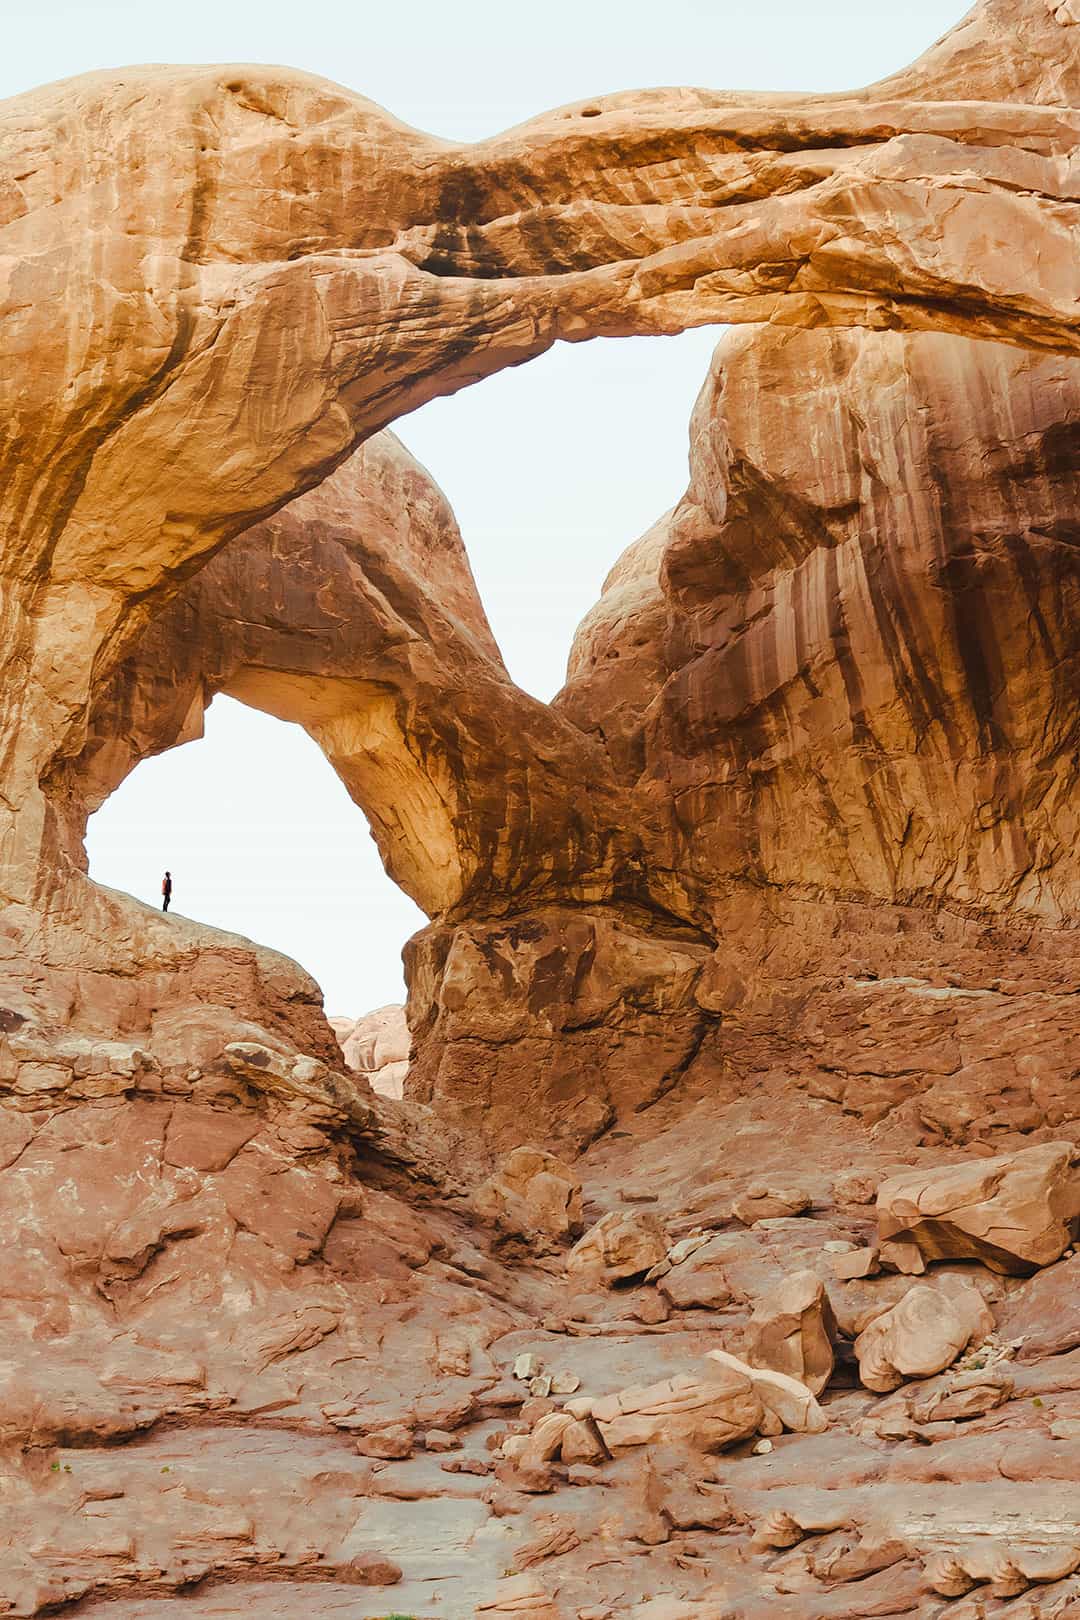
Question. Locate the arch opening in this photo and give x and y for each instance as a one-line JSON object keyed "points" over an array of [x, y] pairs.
{"points": [[262, 840]]}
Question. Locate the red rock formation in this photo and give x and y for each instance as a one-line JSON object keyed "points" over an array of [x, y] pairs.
{"points": [[377, 1046], [783, 886], [866, 605]]}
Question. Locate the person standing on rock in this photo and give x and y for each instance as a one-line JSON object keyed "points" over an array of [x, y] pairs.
{"points": [[166, 891]]}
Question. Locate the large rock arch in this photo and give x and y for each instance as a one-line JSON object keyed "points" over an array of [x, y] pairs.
{"points": [[263, 270], [796, 844]]}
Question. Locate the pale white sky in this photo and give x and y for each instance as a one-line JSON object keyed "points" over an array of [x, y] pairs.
{"points": [[552, 469]]}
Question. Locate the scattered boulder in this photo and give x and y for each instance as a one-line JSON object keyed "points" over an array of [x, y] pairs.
{"points": [[696, 1278], [786, 1399], [959, 1396], [369, 1569], [855, 1263], [441, 1440], [921, 1335], [792, 1329], [582, 1443], [854, 1187], [902, 1254], [389, 1445], [622, 1244], [763, 1201], [708, 1412], [1014, 1212], [532, 1195], [544, 1444]]}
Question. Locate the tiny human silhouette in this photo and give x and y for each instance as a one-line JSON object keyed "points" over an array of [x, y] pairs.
{"points": [[166, 891]]}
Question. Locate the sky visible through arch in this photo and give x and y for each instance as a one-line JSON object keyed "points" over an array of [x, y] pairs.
{"points": [[552, 468]]}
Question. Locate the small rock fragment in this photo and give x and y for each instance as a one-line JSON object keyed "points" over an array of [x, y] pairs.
{"points": [[565, 1383], [527, 1366], [468, 1465], [370, 1569], [389, 1444], [534, 1409], [854, 1187], [441, 1440], [765, 1202], [902, 1254], [686, 1247], [857, 1263], [650, 1308]]}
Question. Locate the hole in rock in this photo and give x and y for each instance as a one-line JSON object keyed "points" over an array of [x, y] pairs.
{"points": [[552, 475], [262, 840], [552, 470]]}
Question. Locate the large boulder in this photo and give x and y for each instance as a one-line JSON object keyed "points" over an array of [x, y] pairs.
{"points": [[697, 1280], [1014, 1212], [622, 1244], [708, 1412], [792, 1330], [786, 1400], [921, 1335]]}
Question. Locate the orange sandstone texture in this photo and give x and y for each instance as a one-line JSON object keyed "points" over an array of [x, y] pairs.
{"points": [[770, 914]]}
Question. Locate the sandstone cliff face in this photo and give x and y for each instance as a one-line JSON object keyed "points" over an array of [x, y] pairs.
{"points": [[864, 610], [842, 668]]}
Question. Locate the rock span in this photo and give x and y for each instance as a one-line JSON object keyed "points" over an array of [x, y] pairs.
{"points": [[720, 1255]]}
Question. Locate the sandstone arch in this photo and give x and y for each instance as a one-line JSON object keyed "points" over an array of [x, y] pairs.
{"points": [[263, 269], [353, 612], [686, 876], [288, 269]]}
